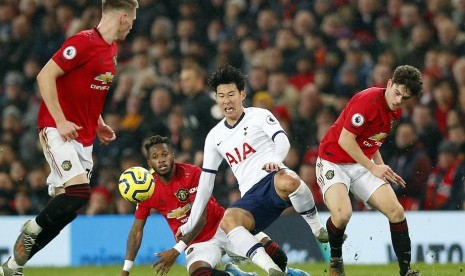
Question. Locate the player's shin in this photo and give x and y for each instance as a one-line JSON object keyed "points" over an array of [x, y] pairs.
{"points": [[48, 234], [303, 202], [401, 244], [65, 204], [247, 245], [336, 239]]}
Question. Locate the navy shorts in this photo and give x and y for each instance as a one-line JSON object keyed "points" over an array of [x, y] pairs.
{"points": [[263, 203]]}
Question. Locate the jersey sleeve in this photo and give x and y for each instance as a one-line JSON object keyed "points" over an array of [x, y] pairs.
{"points": [[142, 210], [270, 124], [357, 116], [75, 51], [211, 157]]}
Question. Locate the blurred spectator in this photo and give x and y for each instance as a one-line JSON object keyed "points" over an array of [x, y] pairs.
{"points": [[427, 131], [444, 94], [410, 162], [38, 188], [283, 93], [23, 204], [7, 194], [200, 114], [99, 202], [441, 179]]}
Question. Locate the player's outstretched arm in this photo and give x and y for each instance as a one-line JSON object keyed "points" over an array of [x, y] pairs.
{"points": [[133, 244], [167, 258], [204, 192]]}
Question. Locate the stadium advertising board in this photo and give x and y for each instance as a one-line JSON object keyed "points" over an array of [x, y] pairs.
{"points": [[437, 237], [101, 240], [58, 253]]}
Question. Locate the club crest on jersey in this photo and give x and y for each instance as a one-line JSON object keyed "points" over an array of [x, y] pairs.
{"points": [[357, 120], [329, 174], [69, 52], [182, 194], [270, 120], [66, 165]]}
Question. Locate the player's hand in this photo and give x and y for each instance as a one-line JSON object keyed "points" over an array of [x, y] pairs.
{"points": [[68, 130], [165, 262], [178, 236], [387, 174], [124, 273], [271, 167], [105, 134]]}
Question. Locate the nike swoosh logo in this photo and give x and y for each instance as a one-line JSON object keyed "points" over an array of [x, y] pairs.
{"points": [[219, 143]]}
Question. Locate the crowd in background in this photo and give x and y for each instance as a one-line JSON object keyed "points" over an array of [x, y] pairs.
{"points": [[304, 60]]}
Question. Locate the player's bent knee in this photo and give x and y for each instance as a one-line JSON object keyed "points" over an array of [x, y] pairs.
{"points": [[341, 216], [396, 213], [287, 182]]}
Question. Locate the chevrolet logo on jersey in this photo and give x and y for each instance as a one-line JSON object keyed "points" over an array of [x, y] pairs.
{"points": [[104, 78], [179, 212], [378, 137]]}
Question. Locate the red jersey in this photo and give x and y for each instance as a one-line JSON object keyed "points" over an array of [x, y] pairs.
{"points": [[366, 115], [174, 201], [89, 64]]}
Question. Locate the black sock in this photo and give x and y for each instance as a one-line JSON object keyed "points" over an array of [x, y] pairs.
{"points": [[64, 205], [336, 238], [208, 271], [277, 254], [48, 234], [401, 243]]}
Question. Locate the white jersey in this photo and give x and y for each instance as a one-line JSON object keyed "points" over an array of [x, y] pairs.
{"points": [[246, 146]]}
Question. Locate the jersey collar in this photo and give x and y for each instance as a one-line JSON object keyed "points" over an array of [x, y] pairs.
{"points": [[238, 121]]}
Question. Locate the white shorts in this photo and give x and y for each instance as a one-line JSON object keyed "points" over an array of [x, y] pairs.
{"points": [[209, 251], [358, 180], [66, 159]]}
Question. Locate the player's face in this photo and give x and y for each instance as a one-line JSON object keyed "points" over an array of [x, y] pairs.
{"points": [[396, 95], [126, 21], [229, 99], [161, 159]]}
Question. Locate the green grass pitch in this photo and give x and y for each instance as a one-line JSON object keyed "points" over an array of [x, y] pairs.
{"points": [[315, 269]]}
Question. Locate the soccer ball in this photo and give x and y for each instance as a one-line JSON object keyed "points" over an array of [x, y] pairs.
{"points": [[136, 184]]}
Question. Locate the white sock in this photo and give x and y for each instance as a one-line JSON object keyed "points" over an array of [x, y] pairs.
{"points": [[12, 264], [34, 227], [247, 245], [302, 200]]}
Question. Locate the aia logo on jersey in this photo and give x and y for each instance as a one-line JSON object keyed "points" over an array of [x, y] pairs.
{"points": [[238, 155], [182, 194]]}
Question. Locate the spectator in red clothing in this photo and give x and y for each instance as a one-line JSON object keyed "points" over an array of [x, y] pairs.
{"points": [[441, 179]]}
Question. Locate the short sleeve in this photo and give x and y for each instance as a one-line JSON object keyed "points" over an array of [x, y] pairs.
{"points": [[357, 115], [270, 125], [75, 51], [142, 210]]}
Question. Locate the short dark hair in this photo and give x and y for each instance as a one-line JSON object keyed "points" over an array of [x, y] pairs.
{"points": [[119, 4], [226, 75], [157, 139], [410, 77]]}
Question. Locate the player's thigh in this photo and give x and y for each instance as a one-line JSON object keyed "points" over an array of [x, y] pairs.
{"points": [[66, 159], [209, 252], [331, 175], [385, 200], [234, 217], [365, 185]]}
